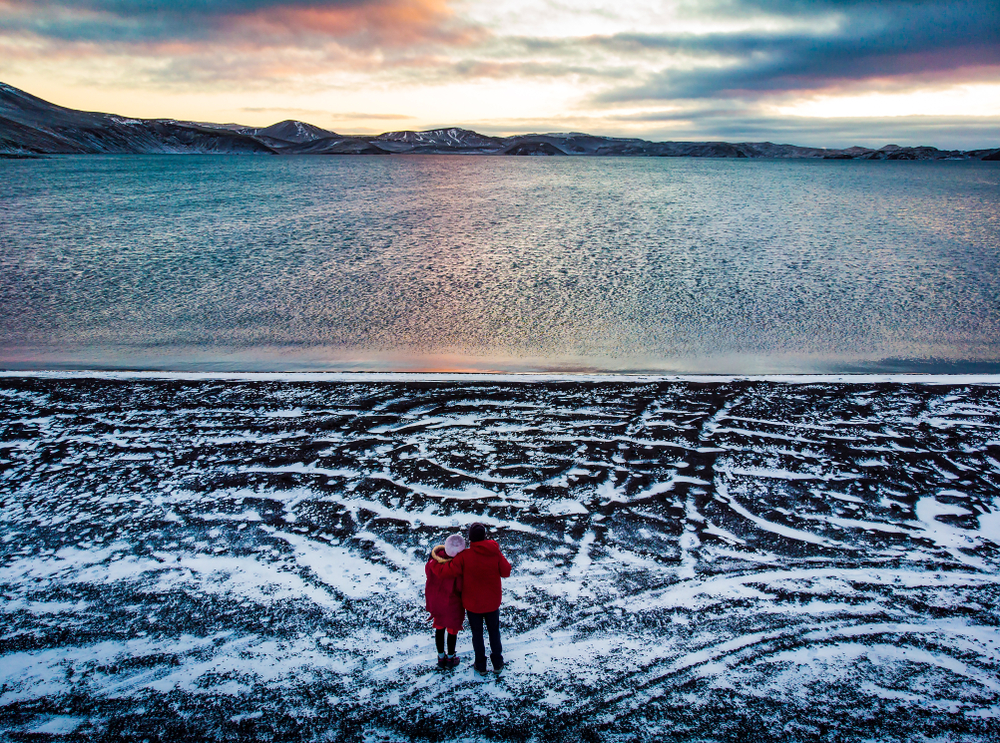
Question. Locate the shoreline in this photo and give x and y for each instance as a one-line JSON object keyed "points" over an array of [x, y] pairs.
{"points": [[505, 377]]}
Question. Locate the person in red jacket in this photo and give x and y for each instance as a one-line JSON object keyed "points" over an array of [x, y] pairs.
{"points": [[444, 599], [480, 567]]}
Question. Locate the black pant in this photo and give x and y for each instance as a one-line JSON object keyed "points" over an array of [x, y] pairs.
{"points": [[492, 620], [439, 641]]}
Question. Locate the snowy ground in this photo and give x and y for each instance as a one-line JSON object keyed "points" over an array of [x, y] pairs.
{"points": [[735, 560]]}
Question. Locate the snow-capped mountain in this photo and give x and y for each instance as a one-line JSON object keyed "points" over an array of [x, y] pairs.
{"points": [[296, 132], [439, 140]]}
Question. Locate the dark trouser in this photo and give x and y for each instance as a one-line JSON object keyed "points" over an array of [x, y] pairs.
{"points": [[492, 620], [439, 641]]}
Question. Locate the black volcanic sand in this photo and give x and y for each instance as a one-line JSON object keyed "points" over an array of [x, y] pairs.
{"points": [[730, 561]]}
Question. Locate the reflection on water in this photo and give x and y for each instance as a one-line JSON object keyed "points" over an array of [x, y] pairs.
{"points": [[432, 263]]}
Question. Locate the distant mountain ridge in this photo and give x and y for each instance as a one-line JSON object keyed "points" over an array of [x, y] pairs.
{"points": [[30, 126]]}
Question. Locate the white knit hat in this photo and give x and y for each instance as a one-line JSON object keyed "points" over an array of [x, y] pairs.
{"points": [[454, 544]]}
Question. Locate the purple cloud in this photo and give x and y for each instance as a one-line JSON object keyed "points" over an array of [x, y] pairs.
{"points": [[918, 39]]}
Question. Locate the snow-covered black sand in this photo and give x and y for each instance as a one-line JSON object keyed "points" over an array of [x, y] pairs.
{"points": [[802, 560]]}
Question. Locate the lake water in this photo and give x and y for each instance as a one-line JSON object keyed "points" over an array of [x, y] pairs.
{"points": [[507, 264]]}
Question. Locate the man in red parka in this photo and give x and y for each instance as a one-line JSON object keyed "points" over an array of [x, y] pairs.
{"points": [[481, 567]]}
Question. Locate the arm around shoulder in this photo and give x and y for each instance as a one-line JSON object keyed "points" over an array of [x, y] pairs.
{"points": [[452, 569]]}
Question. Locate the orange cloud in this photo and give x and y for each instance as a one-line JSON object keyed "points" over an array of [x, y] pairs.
{"points": [[358, 23], [257, 42], [391, 23]]}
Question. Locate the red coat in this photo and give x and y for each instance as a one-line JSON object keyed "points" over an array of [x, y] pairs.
{"points": [[444, 597], [480, 566]]}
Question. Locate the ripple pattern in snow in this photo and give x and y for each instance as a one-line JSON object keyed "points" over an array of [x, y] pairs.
{"points": [[731, 560]]}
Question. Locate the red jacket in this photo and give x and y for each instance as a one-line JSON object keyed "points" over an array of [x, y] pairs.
{"points": [[444, 597], [480, 566]]}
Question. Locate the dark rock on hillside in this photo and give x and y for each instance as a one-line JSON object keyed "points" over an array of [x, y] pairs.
{"points": [[574, 144], [788, 151], [18, 138], [532, 148], [336, 145], [895, 152], [174, 136], [703, 149]]}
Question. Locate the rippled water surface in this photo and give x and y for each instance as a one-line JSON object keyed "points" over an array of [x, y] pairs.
{"points": [[458, 263]]}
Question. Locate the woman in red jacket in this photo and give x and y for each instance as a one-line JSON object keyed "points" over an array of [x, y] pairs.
{"points": [[444, 599], [480, 567]]}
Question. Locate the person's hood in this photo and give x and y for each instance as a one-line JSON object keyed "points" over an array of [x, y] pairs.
{"points": [[485, 547], [438, 554]]}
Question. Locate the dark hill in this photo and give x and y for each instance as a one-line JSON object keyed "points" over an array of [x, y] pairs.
{"points": [[31, 125]]}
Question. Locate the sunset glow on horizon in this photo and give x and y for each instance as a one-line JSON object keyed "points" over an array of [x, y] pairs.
{"points": [[910, 72]]}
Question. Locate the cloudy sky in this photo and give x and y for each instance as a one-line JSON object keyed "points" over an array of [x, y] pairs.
{"points": [[822, 72]]}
